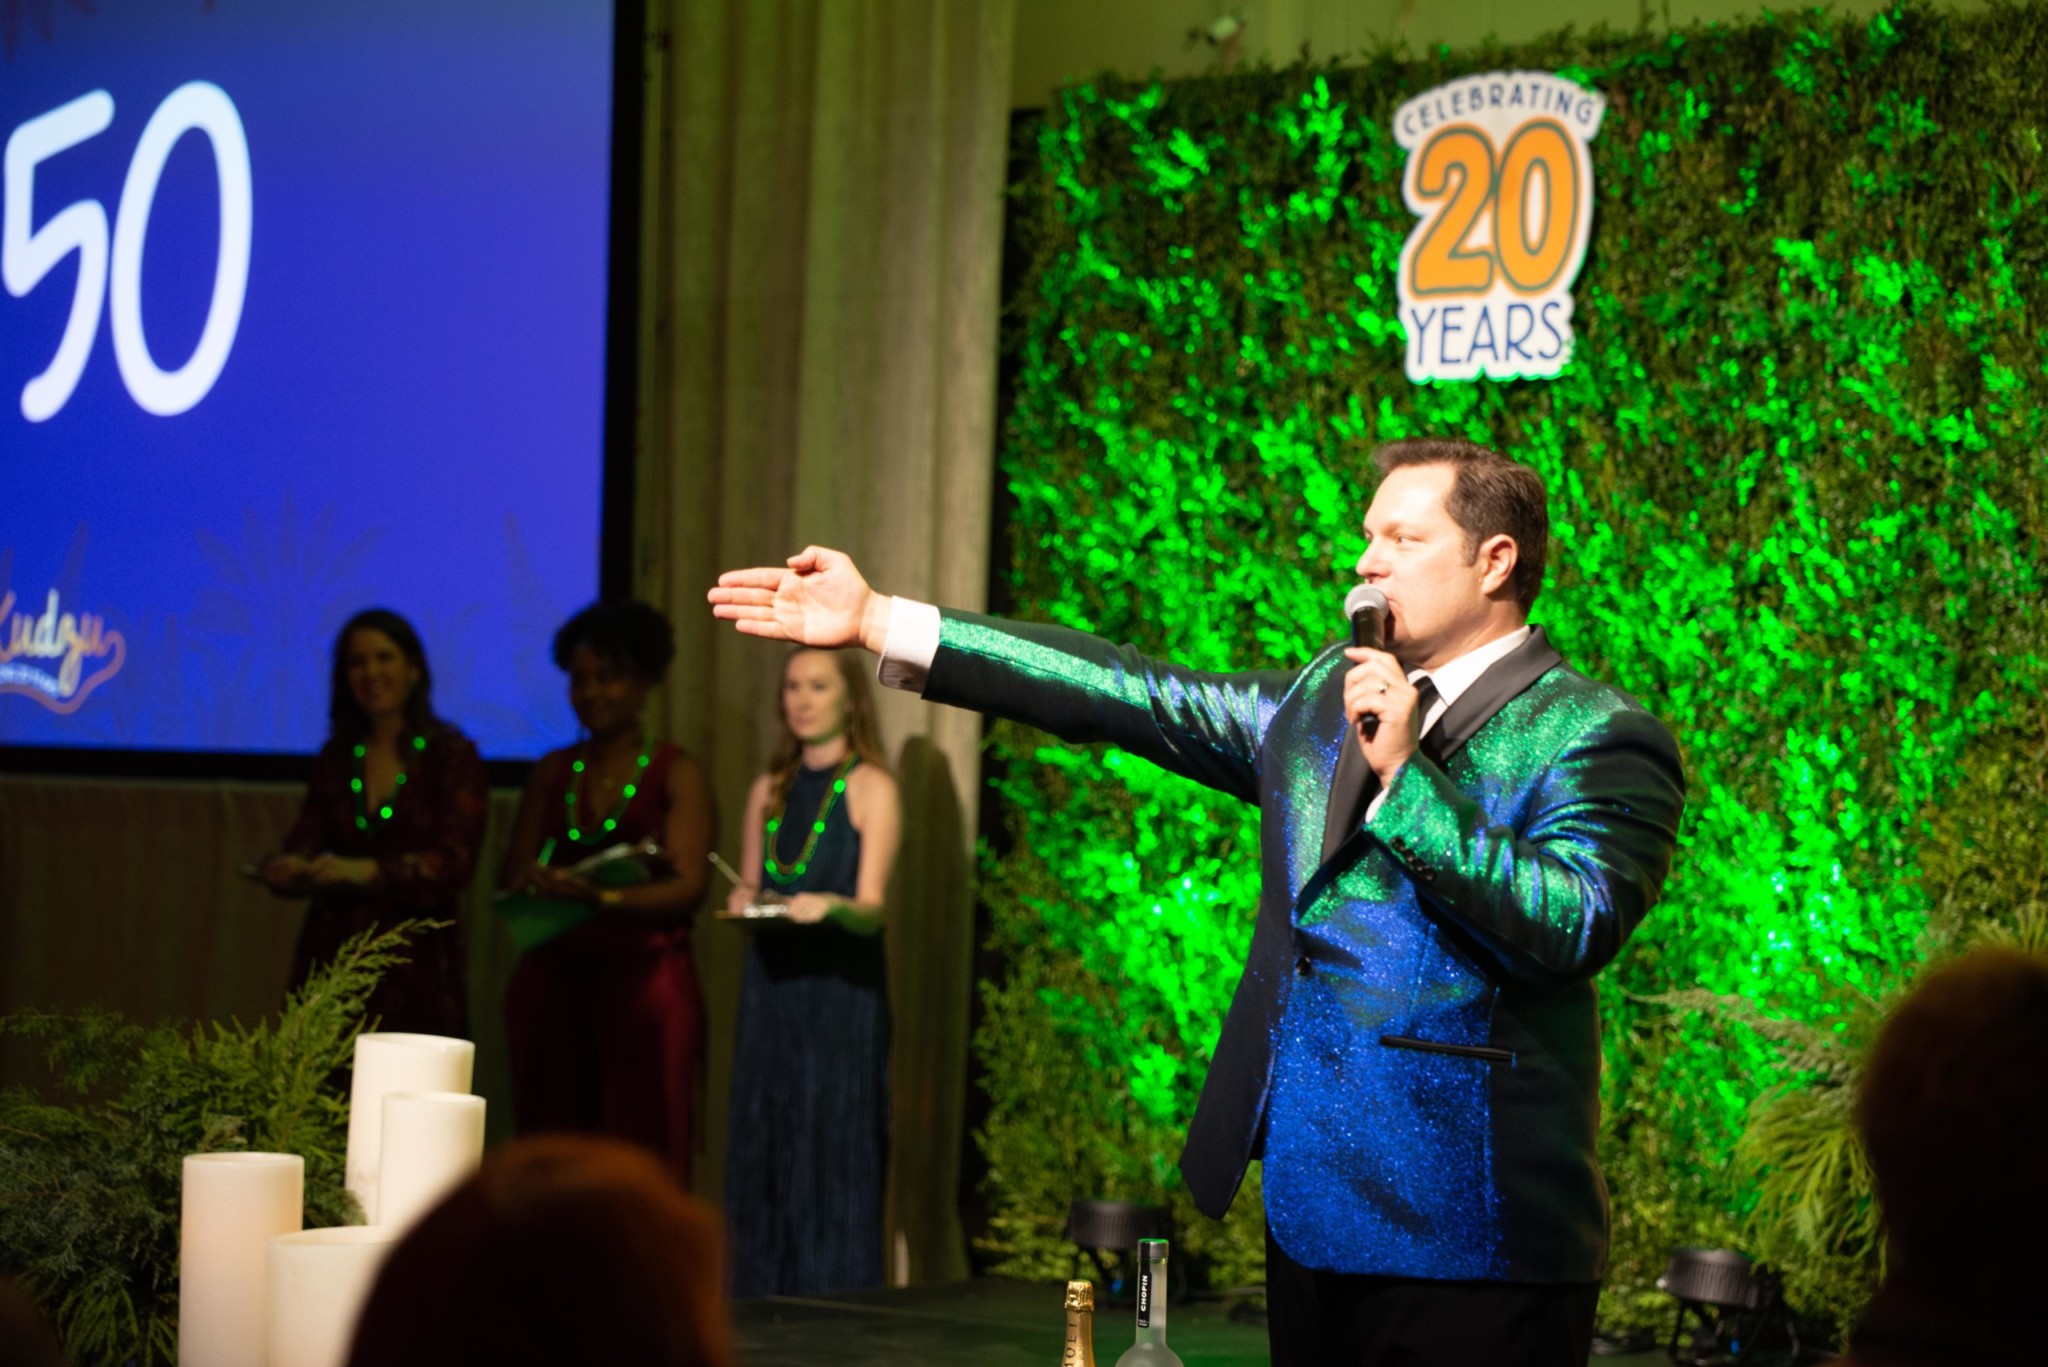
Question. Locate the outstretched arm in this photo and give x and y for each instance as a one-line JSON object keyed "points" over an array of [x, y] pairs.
{"points": [[1208, 727], [1203, 726]]}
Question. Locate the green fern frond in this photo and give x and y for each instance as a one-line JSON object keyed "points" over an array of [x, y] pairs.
{"points": [[89, 1185]]}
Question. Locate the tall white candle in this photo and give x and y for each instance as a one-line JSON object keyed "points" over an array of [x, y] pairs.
{"points": [[231, 1206], [318, 1282], [432, 1140], [388, 1063]]}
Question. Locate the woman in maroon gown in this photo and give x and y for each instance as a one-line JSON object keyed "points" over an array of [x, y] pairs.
{"points": [[393, 817], [605, 1022]]}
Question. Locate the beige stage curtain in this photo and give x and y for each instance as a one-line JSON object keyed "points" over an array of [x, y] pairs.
{"points": [[124, 894], [823, 276]]}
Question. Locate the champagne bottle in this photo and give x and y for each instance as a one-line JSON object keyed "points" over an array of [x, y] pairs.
{"points": [[1150, 1350], [1080, 1349]]}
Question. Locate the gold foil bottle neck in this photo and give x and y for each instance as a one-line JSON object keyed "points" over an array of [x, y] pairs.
{"points": [[1081, 1296]]}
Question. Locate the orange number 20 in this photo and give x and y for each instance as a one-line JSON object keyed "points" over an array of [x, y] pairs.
{"points": [[1458, 174]]}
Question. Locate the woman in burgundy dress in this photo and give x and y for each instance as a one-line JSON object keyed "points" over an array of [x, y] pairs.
{"points": [[393, 817], [605, 1022]]}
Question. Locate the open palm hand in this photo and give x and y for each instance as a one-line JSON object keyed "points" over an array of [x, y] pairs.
{"points": [[818, 600]]}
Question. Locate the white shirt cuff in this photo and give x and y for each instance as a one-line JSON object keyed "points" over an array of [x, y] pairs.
{"points": [[911, 645], [1372, 808]]}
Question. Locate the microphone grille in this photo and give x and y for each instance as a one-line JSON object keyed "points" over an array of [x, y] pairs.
{"points": [[1363, 597]]}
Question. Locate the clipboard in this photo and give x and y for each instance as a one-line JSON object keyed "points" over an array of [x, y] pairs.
{"points": [[762, 908], [532, 920]]}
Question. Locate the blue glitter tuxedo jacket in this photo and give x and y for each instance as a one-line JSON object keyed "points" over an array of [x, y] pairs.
{"points": [[1413, 1049]]}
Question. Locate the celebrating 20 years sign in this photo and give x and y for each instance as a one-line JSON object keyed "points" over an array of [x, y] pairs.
{"points": [[1500, 174]]}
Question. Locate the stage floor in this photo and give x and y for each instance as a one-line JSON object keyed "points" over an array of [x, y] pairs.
{"points": [[993, 1322]]}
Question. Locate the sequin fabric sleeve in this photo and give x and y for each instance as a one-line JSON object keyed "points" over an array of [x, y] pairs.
{"points": [[1556, 899], [1207, 727]]}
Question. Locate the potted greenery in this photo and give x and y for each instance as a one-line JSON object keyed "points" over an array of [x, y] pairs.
{"points": [[90, 1170]]}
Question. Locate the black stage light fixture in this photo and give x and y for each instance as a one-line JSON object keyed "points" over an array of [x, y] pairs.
{"points": [[1101, 1227], [1730, 1300]]}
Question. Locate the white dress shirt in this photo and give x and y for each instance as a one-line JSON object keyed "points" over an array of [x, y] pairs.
{"points": [[911, 646], [1451, 680]]}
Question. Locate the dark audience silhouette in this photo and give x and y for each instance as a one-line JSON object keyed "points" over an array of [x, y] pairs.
{"points": [[560, 1249]]}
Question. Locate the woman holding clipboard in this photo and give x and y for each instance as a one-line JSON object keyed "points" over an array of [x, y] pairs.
{"points": [[604, 1020], [808, 1145]]}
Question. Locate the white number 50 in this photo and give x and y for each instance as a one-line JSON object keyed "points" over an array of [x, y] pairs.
{"points": [[28, 254]]}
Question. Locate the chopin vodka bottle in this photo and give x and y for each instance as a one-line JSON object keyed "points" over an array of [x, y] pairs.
{"points": [[1080, 1349], [1150, 1350]]}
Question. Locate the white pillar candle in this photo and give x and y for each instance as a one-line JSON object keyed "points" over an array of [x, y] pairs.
{"points": [[388, 1063], [318, 1282], [231, 1206], [432, 1140]]}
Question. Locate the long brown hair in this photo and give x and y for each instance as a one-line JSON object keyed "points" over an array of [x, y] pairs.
{"points": [[346, 721], [861, 732]]}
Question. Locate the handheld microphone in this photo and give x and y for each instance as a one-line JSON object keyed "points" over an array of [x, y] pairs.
{"points": [[1367, 608]]}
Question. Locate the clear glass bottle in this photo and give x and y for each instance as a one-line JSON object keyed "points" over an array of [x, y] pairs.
{"points": [[1150, 1350], [1080, 1349]]}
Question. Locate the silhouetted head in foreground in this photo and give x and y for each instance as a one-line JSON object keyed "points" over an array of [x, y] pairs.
{"points": [[1953, 1113], [559, 1250], [25, 1339]]}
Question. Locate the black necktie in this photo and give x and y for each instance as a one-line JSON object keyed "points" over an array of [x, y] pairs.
{"points": [[1425, 698], [1355, 784]]}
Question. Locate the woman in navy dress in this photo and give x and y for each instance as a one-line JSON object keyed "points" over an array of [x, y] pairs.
{"points": [[808, 1147], [390, 829], [605, 1023]]}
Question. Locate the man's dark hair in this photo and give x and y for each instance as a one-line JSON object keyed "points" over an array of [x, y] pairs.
{"points": [[1492, 496], [628, 633], [1953, 1106]]}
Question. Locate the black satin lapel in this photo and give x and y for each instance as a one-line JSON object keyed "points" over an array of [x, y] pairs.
{"points": [[1350, 794], [1492, 691]]}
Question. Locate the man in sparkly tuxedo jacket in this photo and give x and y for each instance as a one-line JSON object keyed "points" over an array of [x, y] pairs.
{"points": [[1456, 834]]}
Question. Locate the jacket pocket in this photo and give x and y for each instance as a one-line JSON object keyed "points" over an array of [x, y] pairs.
{"points": [[1485, 1052]]}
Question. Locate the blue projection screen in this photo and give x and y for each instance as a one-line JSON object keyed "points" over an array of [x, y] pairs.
{"points": [[304, 312]]}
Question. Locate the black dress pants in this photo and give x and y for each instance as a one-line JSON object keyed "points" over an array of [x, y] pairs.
{"points": [[1337, 1319]]}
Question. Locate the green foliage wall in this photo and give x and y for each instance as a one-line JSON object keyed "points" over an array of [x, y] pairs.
{"points": [[1796, 472]]}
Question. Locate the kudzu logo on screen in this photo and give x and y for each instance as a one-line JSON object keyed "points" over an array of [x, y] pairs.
{"points": [[44, 656], [1501, 178], [109, 251]]}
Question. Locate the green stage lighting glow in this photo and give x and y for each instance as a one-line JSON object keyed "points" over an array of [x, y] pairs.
{"points": [[1797, 484]]}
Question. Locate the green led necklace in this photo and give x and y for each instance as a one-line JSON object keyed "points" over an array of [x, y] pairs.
{"points": [[803, 859], [611, 823], [355, 786]]}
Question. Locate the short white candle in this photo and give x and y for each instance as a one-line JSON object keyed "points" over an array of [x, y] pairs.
{"points": [[318, 1282], [432, 1140], [388, 1063], [232, 1205]]}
